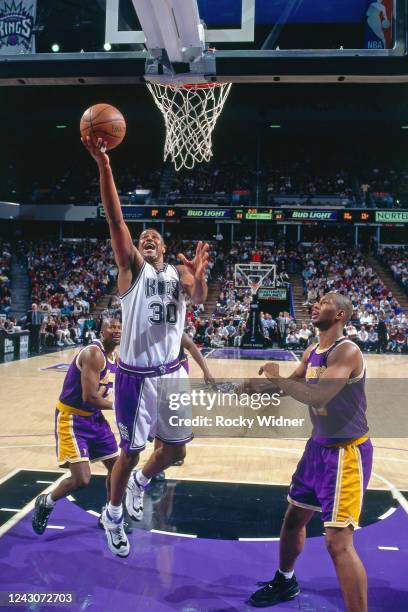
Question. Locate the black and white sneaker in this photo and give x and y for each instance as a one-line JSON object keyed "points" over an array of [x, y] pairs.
{"points": [[134, 498], [115, 534], [41, 514], [276, 591], [126, 523]]}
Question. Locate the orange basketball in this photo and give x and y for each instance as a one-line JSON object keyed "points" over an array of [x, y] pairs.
{"points": [[103, 121]]}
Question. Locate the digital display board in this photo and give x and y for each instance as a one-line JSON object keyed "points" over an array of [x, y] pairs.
{"points": [[263, 215], [259, 214], [207, 213], [312, 215], [391, 216], [135, 213], [269, 293]]}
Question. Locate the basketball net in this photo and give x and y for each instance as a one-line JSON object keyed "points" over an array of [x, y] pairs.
{"points": [[190, 113], [254, 286]]}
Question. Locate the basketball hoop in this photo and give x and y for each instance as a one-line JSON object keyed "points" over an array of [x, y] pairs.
{"points": [[190, 112], [254, 286]]}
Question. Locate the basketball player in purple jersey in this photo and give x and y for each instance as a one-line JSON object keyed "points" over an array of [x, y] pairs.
{"points": [[335, 468], [81, 431], [153, 299]]}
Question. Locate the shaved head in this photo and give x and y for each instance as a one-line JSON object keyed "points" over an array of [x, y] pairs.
{"points": [[342, 302]]}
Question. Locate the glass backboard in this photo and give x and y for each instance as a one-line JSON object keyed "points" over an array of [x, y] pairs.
{"points": [[101, 41]]}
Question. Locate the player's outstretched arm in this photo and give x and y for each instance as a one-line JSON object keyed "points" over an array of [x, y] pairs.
{"points": [[127, 257], [341, 364], [192, 274], [188, 344], [91, 362]]}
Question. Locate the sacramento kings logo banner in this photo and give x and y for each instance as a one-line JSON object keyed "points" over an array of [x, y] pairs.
{"points": [[17, 19]]}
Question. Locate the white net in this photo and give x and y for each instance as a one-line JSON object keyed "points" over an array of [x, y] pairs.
{"points": [[190, 113]]}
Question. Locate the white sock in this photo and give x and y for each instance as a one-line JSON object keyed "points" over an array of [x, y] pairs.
{"points": [[288, 575], [141, 479], [115, 512], [49, 502]]}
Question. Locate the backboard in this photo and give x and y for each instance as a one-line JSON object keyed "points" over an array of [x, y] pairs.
{"points": [[263, 26], [254, 273], [255, 41]]}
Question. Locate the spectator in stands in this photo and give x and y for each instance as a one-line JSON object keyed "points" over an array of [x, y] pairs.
{"points": [[351, 332], [382, 335], [372, 339], [304, 336], [362, 338], [292, 340]]}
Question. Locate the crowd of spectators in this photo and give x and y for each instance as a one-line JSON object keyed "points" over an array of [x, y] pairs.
{"points": [[225, 181], [78, 184], [378, 321], [302, 179], [67, 279], [396, 262], [5, 272], [384, 187]]}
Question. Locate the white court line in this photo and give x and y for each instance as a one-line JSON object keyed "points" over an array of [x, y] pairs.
{"points": [[9, 475], [28, 507], [10, 509], [44, 481], [258, 539], [396, 493], [28, 446], [387, 514], [98, 514], [180, 535], [388, 548], [55, 527], [295, 356], [70, 498], [209, 353]]}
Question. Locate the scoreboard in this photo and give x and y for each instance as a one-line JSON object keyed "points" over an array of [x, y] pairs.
{"points": [[264, 215]]}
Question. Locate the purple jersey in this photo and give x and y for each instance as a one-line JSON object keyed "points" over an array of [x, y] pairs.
{"points": [[344, 416], [71, 394]]}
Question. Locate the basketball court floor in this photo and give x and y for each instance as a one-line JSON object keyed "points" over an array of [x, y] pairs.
{"points": [[210, 531]]}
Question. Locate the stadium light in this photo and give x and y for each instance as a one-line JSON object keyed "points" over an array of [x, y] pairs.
{"points": [[404, 127], [55, 48], [60, 126], [107, 46], [276, 127]]}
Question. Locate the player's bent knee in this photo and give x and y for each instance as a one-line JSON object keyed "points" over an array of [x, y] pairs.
{"points": [[338, 542], [81, 480]]}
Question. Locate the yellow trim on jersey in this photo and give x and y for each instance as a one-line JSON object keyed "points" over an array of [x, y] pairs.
{"points": [[68, 450], [349, 488], [71, 410]]}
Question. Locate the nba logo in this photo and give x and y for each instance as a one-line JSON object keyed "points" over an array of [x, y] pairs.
{"points": [[379, 19]]}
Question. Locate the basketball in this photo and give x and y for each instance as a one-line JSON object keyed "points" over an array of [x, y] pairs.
{"points": [[104, 121]]}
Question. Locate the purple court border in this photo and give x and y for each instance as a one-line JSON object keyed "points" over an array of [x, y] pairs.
{"points": [[169, 572]]}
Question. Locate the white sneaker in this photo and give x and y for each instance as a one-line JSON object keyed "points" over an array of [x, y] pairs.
{"points": [[115, 534], [134, 498]]}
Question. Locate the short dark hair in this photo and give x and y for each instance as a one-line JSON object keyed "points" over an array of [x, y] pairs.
{"points": [[343, 303]]}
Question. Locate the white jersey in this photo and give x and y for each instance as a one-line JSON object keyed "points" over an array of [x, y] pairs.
{"points": [[153, 313]]}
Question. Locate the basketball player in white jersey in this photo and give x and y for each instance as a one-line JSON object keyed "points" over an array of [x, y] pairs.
{"points": [[153, 298]]}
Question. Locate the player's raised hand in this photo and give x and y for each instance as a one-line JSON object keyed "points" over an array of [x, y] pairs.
{"points": [[199, 264], [97, 149], [270, 370]]}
